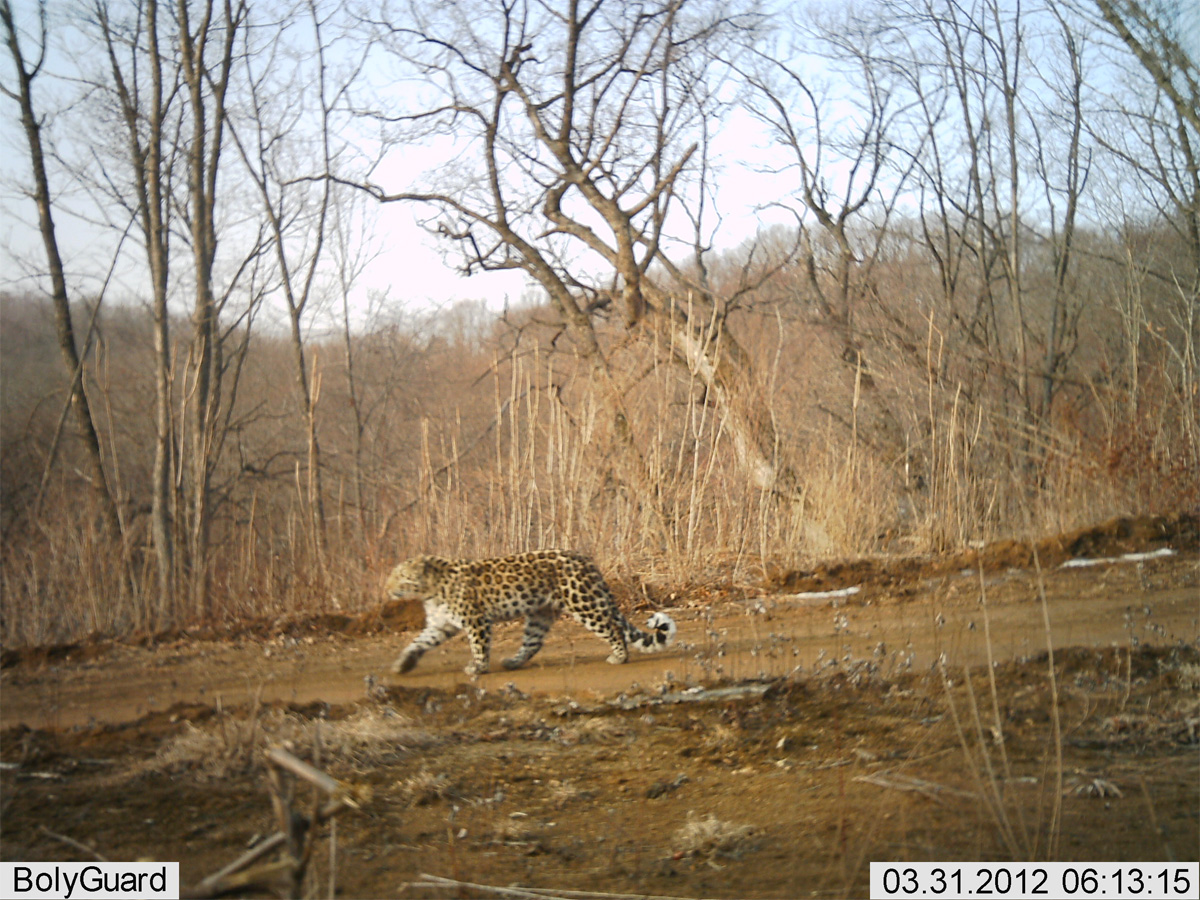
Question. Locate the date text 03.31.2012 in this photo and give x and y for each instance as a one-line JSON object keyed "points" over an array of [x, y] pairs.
{"points": [[1032, 881]]}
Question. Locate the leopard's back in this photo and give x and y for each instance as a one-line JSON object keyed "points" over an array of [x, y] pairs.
{"points": [[509, 587]]}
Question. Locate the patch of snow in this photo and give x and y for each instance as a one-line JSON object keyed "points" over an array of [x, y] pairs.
{"points": [[827, 595], [1080, 563]]}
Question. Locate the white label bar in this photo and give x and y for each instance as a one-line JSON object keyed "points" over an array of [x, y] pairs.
{"points": [[80, 881]]}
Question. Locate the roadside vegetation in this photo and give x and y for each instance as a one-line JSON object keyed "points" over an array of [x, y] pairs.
{"points": [[972, 316]]}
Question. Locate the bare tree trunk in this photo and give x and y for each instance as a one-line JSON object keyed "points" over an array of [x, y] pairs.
{"points": [[204, 152], [727, 375], [1009, 59], [1064, 241], [349, 263], [154, 200], [58, 282], [151, 186]]}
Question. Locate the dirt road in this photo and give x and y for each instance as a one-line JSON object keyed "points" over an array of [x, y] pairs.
{"points": [[785, 742], [1154, 602]]}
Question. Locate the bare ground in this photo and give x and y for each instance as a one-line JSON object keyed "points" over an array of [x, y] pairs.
{"points": [[781, 746]]}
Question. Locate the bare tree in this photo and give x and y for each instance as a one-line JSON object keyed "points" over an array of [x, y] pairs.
{"points": [[352, 250], [207, 37], [589, 121], [983, 56], [1149, 30], [27, 71], [1153, 134], [168, 75], [840, 167], [1069, 185], [292, 216], [300, 209], [147, 120], [1168, 152]]}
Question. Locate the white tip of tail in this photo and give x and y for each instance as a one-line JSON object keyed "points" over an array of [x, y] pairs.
{"points": [[662, 630]]}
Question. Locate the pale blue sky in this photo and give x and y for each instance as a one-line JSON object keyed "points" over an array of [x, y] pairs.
{"points": [[410, 266]]}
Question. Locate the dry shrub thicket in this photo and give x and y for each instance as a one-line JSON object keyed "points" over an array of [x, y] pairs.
{"points": [[914, 406], [490, 440]]}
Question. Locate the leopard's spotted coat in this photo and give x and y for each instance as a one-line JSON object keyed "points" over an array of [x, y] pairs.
{"points": [[469, 595]]}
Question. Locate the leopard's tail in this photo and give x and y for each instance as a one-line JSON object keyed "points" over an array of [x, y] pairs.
{"points": [[660, 634]]}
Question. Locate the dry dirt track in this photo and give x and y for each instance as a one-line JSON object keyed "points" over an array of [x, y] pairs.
{"points": [[834, 741], [1154, 602]]}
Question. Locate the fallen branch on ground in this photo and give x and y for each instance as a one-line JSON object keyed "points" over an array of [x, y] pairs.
{"points": [[899, 782], [296, 832]]}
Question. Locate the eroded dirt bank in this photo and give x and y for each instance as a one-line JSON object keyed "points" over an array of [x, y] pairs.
{"points": [[780, 747]]}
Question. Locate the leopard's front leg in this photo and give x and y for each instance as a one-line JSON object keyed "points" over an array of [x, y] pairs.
{"points": [[438, 628], [479, 636]]}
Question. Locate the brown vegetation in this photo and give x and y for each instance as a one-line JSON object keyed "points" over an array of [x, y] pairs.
{"points": [[486, 441], [960, 341]]}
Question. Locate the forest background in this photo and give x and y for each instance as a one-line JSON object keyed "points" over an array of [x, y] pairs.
{"points": [[968, 312]]}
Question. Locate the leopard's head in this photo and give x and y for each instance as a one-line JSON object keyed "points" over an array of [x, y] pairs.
{"points": [[416, 577]]}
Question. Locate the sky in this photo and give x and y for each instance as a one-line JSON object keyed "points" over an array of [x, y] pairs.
{"points": [[409, 268], [413, 268], [428, 276]]}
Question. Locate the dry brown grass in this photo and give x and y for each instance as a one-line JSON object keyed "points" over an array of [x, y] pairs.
{"points": [[496, 441], [711, 838], [230, 743]]}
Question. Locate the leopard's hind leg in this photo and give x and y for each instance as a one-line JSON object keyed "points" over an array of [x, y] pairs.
{"points": [[607, 627], [537, 624]]}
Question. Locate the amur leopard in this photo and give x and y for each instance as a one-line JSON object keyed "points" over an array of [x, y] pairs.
{"points": [[469, 595]]}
